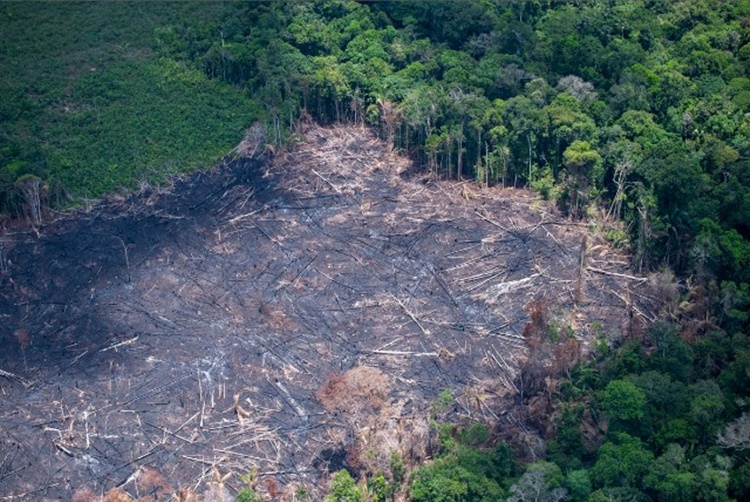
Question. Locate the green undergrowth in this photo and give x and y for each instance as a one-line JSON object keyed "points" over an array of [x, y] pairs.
{"points": [[143, 119], [89, 106]]}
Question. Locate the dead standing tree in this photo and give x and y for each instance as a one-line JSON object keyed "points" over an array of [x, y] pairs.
{"points": [[5, 246], [34, 195], [390, 116]]}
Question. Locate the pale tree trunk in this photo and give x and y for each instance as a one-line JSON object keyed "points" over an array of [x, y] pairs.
{"points": [[615, 209], [31, 189], [390, 116], [459, 162], [486, 164], [528, 140], [4, 248]]}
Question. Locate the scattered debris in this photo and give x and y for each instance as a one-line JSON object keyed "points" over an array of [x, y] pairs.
{"points": [[279, 318]]}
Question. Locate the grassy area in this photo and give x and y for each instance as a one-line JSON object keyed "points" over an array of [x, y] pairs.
{"points": [[87, 104]]}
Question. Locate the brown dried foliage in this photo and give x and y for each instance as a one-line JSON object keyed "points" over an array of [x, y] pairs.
{"points": [[186, 495], [359, 388], [272, 487], [22, 337], [275, 316], [84, 495], [116, 495], [153, 483]]}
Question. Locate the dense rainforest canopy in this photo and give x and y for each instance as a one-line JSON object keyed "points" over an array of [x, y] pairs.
{"points": [[631, 113]]}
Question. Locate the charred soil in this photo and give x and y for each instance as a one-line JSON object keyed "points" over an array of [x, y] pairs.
{"points": [[288, 317]]}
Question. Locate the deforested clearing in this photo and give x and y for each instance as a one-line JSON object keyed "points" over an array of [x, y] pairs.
{"points": [[288, 316]]}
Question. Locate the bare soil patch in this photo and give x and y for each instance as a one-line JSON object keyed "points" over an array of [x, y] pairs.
{"points": [[289, 316]]}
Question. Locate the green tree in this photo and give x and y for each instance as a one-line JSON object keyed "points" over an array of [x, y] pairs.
{"points": [[622, 462], [622, 400], [343, 489], [579, 485], [670, 477], [582, 176], [706, 408]]}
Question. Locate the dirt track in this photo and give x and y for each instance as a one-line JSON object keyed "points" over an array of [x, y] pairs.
{"points": [[169, 336]]}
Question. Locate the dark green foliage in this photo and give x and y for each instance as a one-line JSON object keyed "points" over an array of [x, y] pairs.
{"points": [[671, 355], [739, 482], [567, 448], [630, 358], [638, 106], [191, 122], [465, 471], [622, 462], [475, 435], [634, 106], [398, 470], [662, 420], [665, 399], [89, 107], [670, 478]]}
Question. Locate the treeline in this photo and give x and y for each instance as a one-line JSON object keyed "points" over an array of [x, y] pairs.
{"points": [[635, 107], [661, 417], [655, 419]]}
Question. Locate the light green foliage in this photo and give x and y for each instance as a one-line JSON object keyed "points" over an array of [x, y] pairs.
{"points": [[398, 469], [382, 488], [344, 489], [546, 186], [578, 484], [463, 472], [247, 495], [444, 400], [93, 108], [379, 488], [622, 400]]}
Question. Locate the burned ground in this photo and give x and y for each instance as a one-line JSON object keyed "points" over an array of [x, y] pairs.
{"points": [[289, 316]]}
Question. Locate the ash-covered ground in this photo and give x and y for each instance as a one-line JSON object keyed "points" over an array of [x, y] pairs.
{"points": [[286, 317]]}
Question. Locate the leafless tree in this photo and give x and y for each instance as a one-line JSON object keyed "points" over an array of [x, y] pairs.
{"points": [[532, 487], [32, 190], [4, 248], [737, 434], [577, 87], [390, 117], [254, 140]]}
